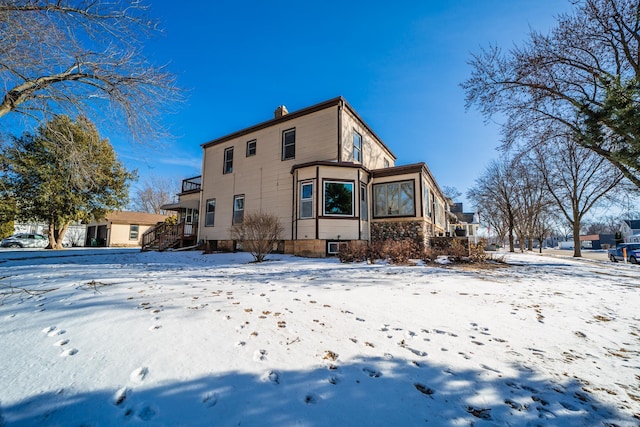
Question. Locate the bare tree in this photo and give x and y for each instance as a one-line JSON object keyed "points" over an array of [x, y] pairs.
{"points": [[494, 195], [82, 57], [154, 192], [451, 192], [583, 77], [577, 180], [533, 201]]}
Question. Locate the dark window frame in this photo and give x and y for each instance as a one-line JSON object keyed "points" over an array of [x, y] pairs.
{"points": [[357, 148], [227, 165], [306, 200], [324, 198], [288, 149], [210, 214], [254, 150], [235, 220], [400, 214]]}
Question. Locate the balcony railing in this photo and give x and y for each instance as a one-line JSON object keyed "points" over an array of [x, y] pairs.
{"points": [[191, 184]]}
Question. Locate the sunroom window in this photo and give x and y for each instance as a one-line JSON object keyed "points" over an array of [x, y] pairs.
{"points": [[394, 199]]}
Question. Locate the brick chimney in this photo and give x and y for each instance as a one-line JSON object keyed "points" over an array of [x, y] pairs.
{"points": [[280, 111]]}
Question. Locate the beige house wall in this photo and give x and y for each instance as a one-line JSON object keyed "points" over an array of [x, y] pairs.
{"points": [[118, 235], [264, 179], [374, 152]]}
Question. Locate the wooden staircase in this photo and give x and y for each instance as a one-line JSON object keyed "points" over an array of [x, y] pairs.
{"points": [[169, 236]]}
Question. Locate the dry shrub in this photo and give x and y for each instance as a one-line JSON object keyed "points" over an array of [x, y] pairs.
{"points": [[454, 249], [400, 251], [477, 251], [352, 252], [359, 252], [259, 233]]}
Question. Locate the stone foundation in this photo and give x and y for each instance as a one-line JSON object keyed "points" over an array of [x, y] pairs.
{"points": [[418, 231]]}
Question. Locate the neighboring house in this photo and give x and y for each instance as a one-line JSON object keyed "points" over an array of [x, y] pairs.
{"points": [[121, 229], [324, 173], [630, 230], [598, 241], [463, 223]]}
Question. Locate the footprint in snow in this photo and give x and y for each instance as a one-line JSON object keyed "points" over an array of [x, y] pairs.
{"points": [[120, 396], [372, 372], [271, 376], [48, 330], [210, 399], [138, 375], [146, 413], [260, 355], [61, 343], [69, 352]]}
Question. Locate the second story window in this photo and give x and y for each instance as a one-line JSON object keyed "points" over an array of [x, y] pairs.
{"points": [[289, 144], [251, 148], [228, 160], [386, 163], [357, 147]]}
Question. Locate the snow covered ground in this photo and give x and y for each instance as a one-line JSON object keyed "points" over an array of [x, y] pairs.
{"points": [[121, 337]]}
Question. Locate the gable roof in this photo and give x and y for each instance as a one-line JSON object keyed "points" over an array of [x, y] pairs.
{"points": [[141, 218], [334, 102]]}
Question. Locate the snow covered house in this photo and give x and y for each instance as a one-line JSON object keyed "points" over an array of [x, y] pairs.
{"points": [[323, 171]]}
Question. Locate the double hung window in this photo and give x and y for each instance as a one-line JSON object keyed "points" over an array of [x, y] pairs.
{"points": [[238, 209], [289, 144], [228, 160], [306, 200], [210, 214]]}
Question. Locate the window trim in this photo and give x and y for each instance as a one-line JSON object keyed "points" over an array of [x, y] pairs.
{"points": [[357, 149], [227, 164], [284, 147], [235, 198], [206, 213], [324, 191], [399, 215], [131, 231], [255, 148], [337, 245], [364, 201], [307, 200]]}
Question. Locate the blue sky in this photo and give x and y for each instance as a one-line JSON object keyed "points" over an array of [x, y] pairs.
{"points": [[399, 64]]}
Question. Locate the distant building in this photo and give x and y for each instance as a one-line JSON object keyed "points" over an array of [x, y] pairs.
{"points": [[121, 229], [463, 223], [630, 231]]}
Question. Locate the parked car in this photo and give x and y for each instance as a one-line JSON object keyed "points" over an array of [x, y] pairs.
{"points": [[633, 252], [25, 240]]}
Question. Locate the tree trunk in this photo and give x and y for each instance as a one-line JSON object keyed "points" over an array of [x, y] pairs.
{"points": [[577, 251], [56, 235]]}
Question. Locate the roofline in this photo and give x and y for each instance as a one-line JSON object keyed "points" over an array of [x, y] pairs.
{"points": [[329, 163], [411, 168], [334, 102]]}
